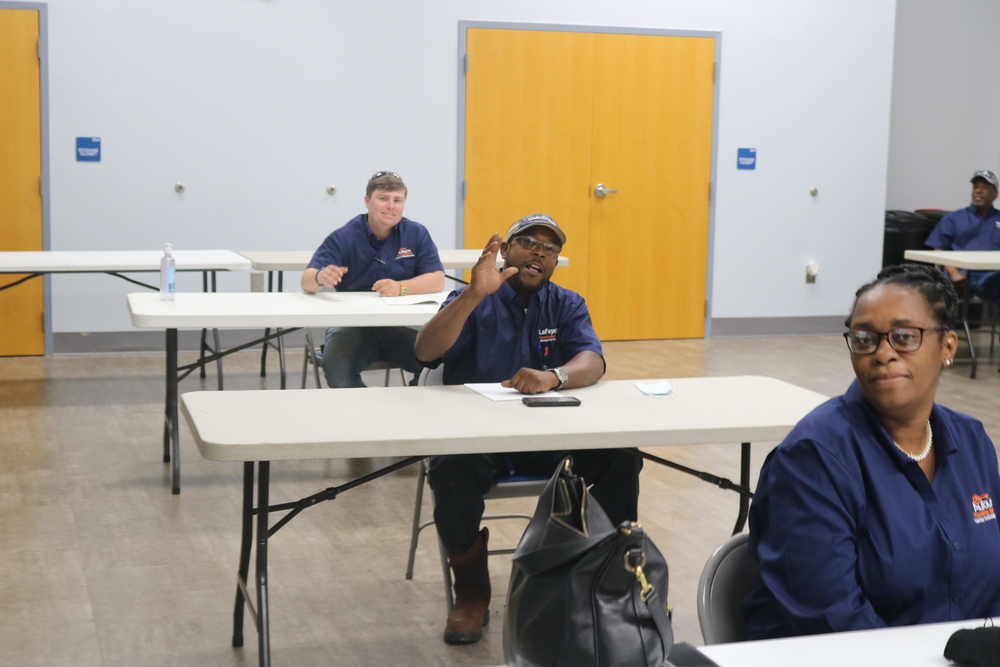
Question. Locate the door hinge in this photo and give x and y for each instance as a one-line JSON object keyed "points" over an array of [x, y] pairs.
{"points": [[43, 321], [465, 190], [710, 191], [704, 313], [41, 189], [465, 62], [714, 66]]}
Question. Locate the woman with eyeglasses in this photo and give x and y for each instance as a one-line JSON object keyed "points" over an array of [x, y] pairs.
{"points": [[877, 509]]}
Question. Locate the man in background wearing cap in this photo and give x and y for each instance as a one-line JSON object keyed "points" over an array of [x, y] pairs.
{"points": [[514, 327], [379, 251], [976, 227]]}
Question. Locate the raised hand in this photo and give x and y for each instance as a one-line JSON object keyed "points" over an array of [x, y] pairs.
{"points": [[485, 277]]}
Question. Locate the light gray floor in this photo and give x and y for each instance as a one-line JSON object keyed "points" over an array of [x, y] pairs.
{"points": [[101, 565]]}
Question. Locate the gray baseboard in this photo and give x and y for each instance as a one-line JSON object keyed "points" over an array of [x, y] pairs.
{"points": [[727, 327], [117, 342]]}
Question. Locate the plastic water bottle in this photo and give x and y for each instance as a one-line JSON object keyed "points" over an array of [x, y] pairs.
{"points": [[168, 270]]}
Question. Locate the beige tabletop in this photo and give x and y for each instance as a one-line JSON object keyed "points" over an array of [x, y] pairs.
{"points": [[296, 260], [258, 310], [279, 425], [976, 260], [102, 261]]}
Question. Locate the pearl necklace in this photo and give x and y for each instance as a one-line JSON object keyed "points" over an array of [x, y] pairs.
{"points": [[927, 448]]}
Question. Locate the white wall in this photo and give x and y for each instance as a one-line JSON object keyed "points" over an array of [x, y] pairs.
{"points": [[945, 102], [258, 105]]}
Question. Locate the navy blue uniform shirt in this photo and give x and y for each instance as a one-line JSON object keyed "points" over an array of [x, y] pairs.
{"points": [[851, 535], [406, 253], [499, 338], [965, 229]]}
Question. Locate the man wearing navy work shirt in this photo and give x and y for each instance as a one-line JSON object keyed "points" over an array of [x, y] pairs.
{"points": [[975, 227], [380, 251], [514, 327]]}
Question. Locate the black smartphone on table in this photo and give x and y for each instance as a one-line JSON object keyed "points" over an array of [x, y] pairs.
{"points": [[549, 401]]}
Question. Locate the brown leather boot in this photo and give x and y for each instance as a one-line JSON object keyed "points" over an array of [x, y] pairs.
{"points": [[472, 593]]}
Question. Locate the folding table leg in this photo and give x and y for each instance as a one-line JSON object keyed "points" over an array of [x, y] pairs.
{"points": [[201, 353], [281, 359], [170, 364], [263, 632], [245, 547], [263, 352], [218, 362], [172, 434]]}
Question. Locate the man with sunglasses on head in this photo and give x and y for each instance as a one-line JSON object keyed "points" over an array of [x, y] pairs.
{"points": [[975, 227], [381, 251], [517, 328]]}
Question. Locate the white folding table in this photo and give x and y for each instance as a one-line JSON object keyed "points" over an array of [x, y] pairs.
{"points": [[257, 427], [296, 260], [215, 310], [116, 262], [912, 646], [279, 261], [970, 260]]}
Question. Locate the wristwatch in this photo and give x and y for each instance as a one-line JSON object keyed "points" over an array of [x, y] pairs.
{"points": [[561, 374], [403, 289]]}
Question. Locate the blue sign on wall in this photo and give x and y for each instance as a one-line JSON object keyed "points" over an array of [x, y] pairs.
{"points": [[746, 158], [88, 149]]}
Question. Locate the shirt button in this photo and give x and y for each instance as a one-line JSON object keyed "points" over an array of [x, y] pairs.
{"points": [[955, 545], [956, 599]]}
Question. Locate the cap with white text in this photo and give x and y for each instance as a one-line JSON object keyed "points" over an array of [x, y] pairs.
{"points": [[987, 176], [536, 220]]}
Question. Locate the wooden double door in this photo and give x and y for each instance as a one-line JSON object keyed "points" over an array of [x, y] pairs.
{"points": [[21, 307], [550, 116]]}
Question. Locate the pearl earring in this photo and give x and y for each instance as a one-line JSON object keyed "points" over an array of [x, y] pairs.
{"points": [[947, 362]]}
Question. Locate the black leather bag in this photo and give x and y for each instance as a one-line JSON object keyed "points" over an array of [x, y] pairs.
{"points": [[582, 592]]}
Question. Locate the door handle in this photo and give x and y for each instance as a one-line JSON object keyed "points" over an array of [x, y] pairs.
{"points": [[600, 190]]}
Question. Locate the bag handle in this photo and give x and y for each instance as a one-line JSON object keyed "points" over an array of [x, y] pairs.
{"points": [[635, 560]]}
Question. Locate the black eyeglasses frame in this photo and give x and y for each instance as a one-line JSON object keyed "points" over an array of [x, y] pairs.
{"points": [[535, 243], [887, 335]]}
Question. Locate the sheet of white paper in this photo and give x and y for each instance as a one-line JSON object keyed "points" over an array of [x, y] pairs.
{"points": [[494, 392], [656, 388], [413, 299]]}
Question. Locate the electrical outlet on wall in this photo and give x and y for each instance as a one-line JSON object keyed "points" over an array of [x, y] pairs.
{"points": [[812, 270]]}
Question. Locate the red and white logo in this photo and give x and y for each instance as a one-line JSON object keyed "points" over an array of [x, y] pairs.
{"points": [[404, 252], [982, 508]]}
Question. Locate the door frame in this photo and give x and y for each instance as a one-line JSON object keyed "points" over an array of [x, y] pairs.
{"points": [[43, 88], [465, 26]]}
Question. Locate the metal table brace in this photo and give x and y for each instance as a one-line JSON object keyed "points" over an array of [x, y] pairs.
{"points": [[259, 614]]}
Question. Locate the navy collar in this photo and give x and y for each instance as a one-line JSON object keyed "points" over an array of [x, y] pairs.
{"points": [[374, 240], [974, 210], [510, 295], [944, 440]]}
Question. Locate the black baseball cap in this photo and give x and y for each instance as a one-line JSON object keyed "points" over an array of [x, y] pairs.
{"points": [[536, 220]]}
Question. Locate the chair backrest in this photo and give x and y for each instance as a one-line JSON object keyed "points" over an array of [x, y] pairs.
{"points": [[432, 376], [729, 576]]}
